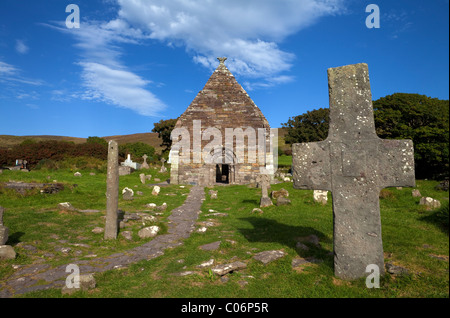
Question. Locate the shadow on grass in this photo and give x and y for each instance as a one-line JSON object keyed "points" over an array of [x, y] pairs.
{"points": [[439, 218], [14, 238], [267, 230]]}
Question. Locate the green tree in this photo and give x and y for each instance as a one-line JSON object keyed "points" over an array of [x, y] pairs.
{"points": [[422, 119], [96, 140], [309, 127], [164, 128], [137, 150]]}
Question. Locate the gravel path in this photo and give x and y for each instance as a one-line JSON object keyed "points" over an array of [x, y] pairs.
{"points": [[43, 276]]}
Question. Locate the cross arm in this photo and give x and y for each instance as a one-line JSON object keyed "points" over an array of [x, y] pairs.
{"points": [[311, 165]]}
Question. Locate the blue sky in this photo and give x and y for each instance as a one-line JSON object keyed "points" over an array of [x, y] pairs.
{"points": [[133, 63]]}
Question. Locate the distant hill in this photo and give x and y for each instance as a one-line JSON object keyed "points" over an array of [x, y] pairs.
{"points": [[8, 141], [152, 139]]}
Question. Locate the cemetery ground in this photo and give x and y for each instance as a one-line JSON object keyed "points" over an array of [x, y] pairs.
{"points": [[41, 233]]}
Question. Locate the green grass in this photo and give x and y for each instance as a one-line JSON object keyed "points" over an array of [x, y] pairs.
{"points": [[410, 235]]}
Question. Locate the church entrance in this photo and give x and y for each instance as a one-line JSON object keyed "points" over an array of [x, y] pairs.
{"points": [[223, 173]]}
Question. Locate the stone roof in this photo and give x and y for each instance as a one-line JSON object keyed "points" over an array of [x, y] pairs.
{"points": [[223, 103]]}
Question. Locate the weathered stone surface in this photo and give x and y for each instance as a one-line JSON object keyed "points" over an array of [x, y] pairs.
{"points": [[145, 164], [112, 191], [282, 193], [66, 206], [7, 252], [320, 196], [283, 201], [416, 193], [221, 104], [395, 269], [23, 187], [264, 182], [355, 164], [142, 178], [127, 194], [210, 247], [128, 235], [227, 268], [87, 282], [257, 210], [2, 211], [4, 234], [156, 190], [98, 230], [266, 257], [147, 232], [125, 170], [206, 264], [77, 174], [430, 203], [213, 194]]}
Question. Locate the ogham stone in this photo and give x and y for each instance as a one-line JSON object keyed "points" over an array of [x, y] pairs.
{"points": [[354, 164], [112, 191]]}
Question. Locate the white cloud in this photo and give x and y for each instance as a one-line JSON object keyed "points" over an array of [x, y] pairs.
{"points": [[247, 32], [10, 74], [104, 75], [119, 87], [21, 47]]}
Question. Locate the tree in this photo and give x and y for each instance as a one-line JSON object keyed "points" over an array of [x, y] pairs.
{"points": [[422, 119], [137, 150], [164, 129], [309, 127], [96, 140]]}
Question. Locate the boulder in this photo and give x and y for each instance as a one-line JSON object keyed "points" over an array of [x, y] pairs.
{"points": [[430, 203], [320, 196], [156, 190], [416, 193], [7, 252], [227, 268], [147, 232], [282, 193], [77, 174], [127, 194], [66, 206], [283, 201]]}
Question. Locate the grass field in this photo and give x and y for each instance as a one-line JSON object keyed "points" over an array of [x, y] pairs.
{"points": [[412, 238]]}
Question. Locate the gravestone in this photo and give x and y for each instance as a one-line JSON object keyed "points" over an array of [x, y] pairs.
{"points": [[145, 164], [112, 191], [354, 164], [264, 181], [163, 169]]}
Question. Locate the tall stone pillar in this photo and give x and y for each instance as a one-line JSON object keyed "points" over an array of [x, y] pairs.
{"points": [[112, 191]]}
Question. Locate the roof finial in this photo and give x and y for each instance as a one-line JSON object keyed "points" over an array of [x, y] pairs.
{"points": [[222, 59]]}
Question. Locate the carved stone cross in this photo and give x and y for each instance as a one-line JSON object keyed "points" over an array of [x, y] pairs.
{"points": [[145, 164], [264, 182], [354, 164]]}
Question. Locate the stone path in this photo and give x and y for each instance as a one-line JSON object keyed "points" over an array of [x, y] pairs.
{"points": [[43, 276]]}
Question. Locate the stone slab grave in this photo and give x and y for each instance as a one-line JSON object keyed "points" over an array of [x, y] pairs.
{"points": [[354, 164]]}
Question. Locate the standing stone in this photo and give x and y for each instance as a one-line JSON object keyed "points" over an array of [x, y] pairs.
{"points": [[320, 196], [354, 164], [142, 177], [145, 164], [4, 231], [112, 191], [163, 169], [264, 181]]}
